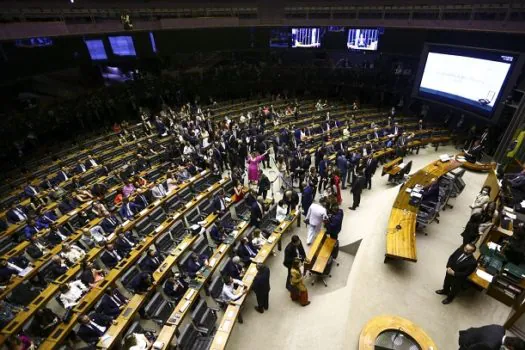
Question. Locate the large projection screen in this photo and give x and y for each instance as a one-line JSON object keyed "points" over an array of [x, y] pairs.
{"points": [[466, 78]]}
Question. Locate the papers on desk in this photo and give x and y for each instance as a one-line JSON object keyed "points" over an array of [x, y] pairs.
{"points": [[158, 345], [270, 240], [408, 190], [228, 199], [111, 236], [493, 246], [190, 294], [203, 172], [416, 194], [25, 271], [444, 158], [402, 165], [212, 262], [124, 223], [484, 275], [105, 340], [222, 248], [185, 306], [230, 314]]}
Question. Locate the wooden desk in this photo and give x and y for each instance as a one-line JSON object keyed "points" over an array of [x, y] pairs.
{"points": [[388, 166], [324, 255], [401, 231], [378, 325], [314, 249]]}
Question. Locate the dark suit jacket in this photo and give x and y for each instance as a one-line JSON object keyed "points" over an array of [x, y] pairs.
{"points": [[244, 254], [370, 169], [108, 306], [109, 260], [462, 269], [33, 251], [490, 335], [193, 266], [307, 197], [177, 294], [150, 264], [255, 214], [123, 212], [217, 203], [123, 248], [261, 282], [107, 226], [138, 284], [293, 202], [89, 335], [53, 238], [290, 253], [233, 270], [358, 185], [56, 269], [86, 276], [12, 217]]}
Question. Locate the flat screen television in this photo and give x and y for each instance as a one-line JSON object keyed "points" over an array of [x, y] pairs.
{"points": [[96, 49], [464, 77], [122, 45], [280, 38], [363, 39], [307, 37]]}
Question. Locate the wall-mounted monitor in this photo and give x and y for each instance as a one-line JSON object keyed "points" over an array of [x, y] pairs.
{"points": [[472, 79], [280, 38], [34, 42], [307, 37], [96, 49], [362, 39], [122, 45]]}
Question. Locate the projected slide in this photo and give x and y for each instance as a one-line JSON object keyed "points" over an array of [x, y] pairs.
{"points": [[363, 39], [306, 37], [122, 45], [96, 49], [474, 81]]}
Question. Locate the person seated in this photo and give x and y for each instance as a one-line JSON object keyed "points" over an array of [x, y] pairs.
{"points": [[57, 267], [6, 272], [142, 282], [234, 268], [62, 175], [282, 210], [44, 322], [36, 249], [92, 327], [16, 214], [110, 257], [30, 190], [80, 168], [218, 234], [128, 189], [141, 199], [112, 303], [124, 243], [31, 228], [228, 293], [195, 263], [87, 239], [109, 223], [151, 262], [473, 154], [67, 204], [70, 293], [218, 203], [246, 251], [72, 253], [90, 276], [96, 233], [128, 210], [45, 219], [158, 191], [258, 240], [175, 287], [91, 162], [172, 182], [99, 209], [82, 195]]}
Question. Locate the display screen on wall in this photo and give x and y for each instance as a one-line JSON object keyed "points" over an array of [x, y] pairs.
{"points": [[122, 45], [363, 39], [307, 37], [468, 78], [96, 49], [280, 38]]}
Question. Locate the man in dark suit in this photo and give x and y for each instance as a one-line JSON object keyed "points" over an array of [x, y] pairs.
{"points": [[6, 272], [370, 170], [175, 287], [16, 214], [67, 205], [142, 282], [57, 267], [62, 175], [218, 203], [57, 234], [112, 303], [218, 233], [307, 198], [124, 243], [128, 209], [261, 287], [234, 268], [357, 188], [110, 257], [35, 249], [256, 212], [92, 328], [109, 223], [195, 263], [30, 190], [80, 168], [293, 250], [342, 165], [491, 336], [151, 262], [141, 200], [246, 251], [474, 153], [459, 266]]}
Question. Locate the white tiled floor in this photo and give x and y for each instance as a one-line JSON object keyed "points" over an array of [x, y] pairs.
{"points": [[363, 287]]}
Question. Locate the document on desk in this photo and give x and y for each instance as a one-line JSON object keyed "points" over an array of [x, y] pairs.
{"points": [[105, 340], [402, 165], [25, 271], [484, 275]]}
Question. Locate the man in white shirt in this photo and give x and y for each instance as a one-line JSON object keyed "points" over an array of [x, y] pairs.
{"points": [[315, 217], [158, 191], [71, 292], [228, 293], [72, 253]]}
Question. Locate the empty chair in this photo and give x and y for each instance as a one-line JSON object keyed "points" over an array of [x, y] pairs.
{"points": [[192, 217], [177, 231], [144, 226], [158, 308], [183, 263], [191, 339], [6, 244], [205, 209], [215, 291], [204, 318], [200, 185], [158, 216], [164, 243], [201, 247], [185, 195]]}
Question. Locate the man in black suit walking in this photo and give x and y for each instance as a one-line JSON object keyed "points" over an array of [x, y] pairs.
{"points": [[370, 170], [357, 188], [491, 337], [459, 266], [261, 287], [293, 250]]}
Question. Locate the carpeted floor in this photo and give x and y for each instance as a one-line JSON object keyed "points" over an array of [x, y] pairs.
{"points": [[363, 287]]}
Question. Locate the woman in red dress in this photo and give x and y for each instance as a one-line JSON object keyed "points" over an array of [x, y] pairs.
{"points": [[336, 180]]}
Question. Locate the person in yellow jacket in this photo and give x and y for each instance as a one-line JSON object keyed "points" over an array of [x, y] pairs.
{"points": [[299, 291]]}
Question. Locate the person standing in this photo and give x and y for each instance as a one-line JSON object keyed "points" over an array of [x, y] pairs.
{"points": [[334, 223], [294, 250], [299, 291], [342, 165], [264, 184], [370, 170], [253, 166], [314, 219], [356, 189], [459, 266], [307, 197], [261, 287]]}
